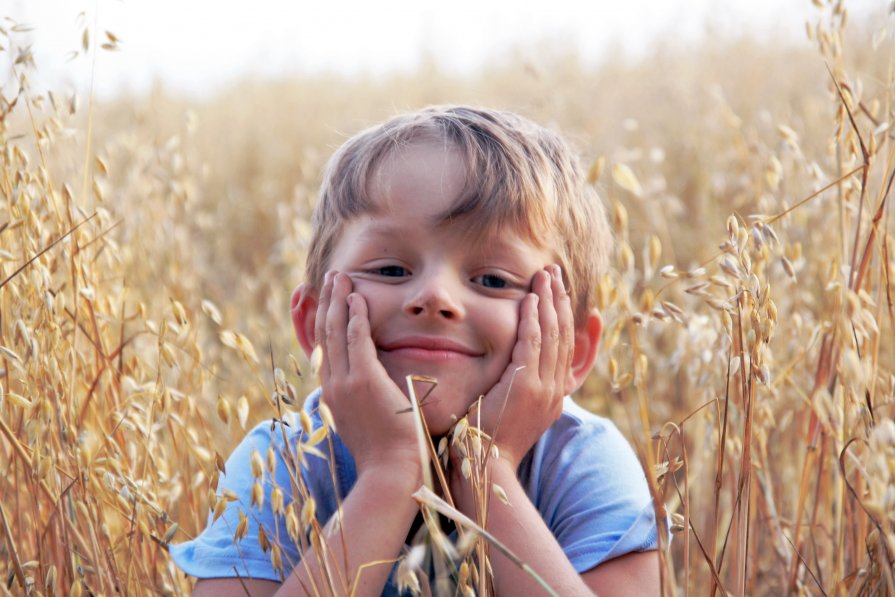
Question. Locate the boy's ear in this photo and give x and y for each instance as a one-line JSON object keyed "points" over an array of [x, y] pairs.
{"points": [[304, 316], [587, 341]]}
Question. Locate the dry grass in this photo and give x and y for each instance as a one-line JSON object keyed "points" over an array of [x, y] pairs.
{"points": [[146, 245]]}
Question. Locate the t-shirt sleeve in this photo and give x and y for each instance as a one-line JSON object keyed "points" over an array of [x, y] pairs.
{"points": [[589, 487], [214, 553]]}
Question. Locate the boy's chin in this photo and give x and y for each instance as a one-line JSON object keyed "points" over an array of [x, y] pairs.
{"points": [[440, 426], [440, 416], [442, 405]]}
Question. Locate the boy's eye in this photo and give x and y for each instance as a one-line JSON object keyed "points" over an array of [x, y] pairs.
{"points": [[492, 281], [391, 271]]}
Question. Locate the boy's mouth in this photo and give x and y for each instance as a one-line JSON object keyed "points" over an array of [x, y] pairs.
{"points": [[428, 348]]}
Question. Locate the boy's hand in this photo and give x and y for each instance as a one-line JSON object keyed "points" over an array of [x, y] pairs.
{"points": [[363, 399], [528, 397]]}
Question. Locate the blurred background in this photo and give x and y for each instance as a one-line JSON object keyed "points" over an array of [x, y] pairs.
{"points": [[201, 46], [161, 160]]}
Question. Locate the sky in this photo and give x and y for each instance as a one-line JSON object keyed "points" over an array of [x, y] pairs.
{"points": [[198, 46]]}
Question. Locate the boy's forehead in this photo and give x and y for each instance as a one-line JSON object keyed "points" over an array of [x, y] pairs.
{"points": [[421, 170], [427, 183], [387, 228]]}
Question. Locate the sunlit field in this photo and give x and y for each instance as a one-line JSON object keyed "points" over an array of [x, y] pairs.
{"points": [[149, 246]]}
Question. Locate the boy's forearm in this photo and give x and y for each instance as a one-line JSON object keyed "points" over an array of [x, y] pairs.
{"points": [[520, 527], [376, 516]]}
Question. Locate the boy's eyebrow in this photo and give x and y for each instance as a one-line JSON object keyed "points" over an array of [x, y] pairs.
{"points": [[381, 228]]}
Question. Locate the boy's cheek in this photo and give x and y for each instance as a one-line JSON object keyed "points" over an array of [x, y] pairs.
{"points": [[362, 287], [372, 297]]}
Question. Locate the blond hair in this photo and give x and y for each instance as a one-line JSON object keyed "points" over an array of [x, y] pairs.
{"points": [[519, 176]]}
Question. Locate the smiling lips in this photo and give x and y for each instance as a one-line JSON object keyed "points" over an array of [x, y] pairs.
{"points": [[428, 349]]}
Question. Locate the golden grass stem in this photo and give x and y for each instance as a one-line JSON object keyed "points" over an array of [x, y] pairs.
{"points": [[813, 195], [40, 253], [718, 557], [13, 553], [426, 497]]}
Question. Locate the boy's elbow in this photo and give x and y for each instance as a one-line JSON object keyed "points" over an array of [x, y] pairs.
{"points": [[635, 573]]}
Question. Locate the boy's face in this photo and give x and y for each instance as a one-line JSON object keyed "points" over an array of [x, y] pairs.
{"points": [[440, 305]]}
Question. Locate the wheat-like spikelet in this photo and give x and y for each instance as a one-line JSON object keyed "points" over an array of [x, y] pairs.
{"points": [[148, 247]]}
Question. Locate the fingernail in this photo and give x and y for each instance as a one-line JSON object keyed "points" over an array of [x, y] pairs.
{"points": [[327, 278]]}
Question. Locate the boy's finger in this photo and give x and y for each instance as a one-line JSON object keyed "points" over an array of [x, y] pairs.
{"points": [[361, 350], [525, 353], [528, 339], [547, 319], [323, 307], [320, 321], [335, 326], [566, 322]]}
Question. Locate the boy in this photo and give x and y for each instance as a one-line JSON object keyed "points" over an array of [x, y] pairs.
{"points": [[460, 244]]}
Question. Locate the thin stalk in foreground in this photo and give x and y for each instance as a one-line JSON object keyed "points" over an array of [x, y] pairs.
{"points": [[424, 496]]}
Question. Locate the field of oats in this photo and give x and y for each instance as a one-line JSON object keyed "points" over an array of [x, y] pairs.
{"points": [[149, 245]]}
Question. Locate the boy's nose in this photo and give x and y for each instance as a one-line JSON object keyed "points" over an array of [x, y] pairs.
{"points": [[435, 297]]}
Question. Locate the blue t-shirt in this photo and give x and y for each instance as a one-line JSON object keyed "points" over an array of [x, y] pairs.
{"points": [[581, 475]]}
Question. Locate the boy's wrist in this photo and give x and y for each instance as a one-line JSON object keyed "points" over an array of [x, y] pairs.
{"points": [[401, 474]]}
